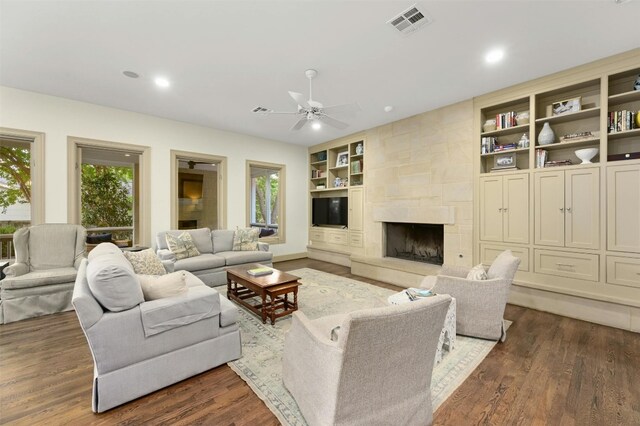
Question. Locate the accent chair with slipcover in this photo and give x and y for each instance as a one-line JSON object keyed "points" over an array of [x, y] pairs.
{"points": [[377, 371], [41, 279], [480, 304]]}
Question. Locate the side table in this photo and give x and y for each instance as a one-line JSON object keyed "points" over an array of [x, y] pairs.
{"points": [[447, 336]]}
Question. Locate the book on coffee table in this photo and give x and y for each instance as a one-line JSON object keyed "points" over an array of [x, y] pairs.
{"points": [[258, 272]]}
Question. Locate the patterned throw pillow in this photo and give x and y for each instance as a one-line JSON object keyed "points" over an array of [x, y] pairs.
{"points": [[182, 245], [477, 273], [246, 239], [145, 262]]}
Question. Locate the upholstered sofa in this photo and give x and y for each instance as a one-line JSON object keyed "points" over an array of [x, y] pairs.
{"points": [[140, 346], [41, 279], [216, 254]]}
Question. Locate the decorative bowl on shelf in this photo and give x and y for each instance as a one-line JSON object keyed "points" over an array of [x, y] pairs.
{"points": [[489, 125], [586, 154]]}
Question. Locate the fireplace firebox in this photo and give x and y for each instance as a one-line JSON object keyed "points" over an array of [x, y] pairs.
{"points": [[418, 242]]}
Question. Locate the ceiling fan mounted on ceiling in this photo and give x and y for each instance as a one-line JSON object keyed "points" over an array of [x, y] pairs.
{"points": [[310, 111]]}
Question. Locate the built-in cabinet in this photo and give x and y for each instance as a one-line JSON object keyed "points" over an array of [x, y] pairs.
{"points": [[567, 208], [337, 169], [575, 226], [504, 208], [623, 208]]}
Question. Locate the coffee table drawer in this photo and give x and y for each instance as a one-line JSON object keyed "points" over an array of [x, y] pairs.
{"points": [[571, 265], [623, 271]]}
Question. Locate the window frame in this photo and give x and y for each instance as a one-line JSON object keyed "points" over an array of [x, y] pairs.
{"points": [[280, 237], [37, 169]]}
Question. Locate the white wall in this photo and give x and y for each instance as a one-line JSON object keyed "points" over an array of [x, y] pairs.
{"points": [[59, 118]]}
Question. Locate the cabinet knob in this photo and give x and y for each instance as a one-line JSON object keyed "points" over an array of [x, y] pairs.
{"points": [[569, 209], [562, 209], [500, 209], [504, 210]]}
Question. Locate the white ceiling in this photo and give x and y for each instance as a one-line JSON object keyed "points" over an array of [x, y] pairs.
{"points": [[226, 57]]}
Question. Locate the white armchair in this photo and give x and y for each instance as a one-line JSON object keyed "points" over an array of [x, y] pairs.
{"points": [[376, 372], [480, 304], [41, 280]]}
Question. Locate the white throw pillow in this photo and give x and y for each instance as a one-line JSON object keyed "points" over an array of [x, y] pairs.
{"points": [[161, 286], [145, 262], [477, 273]]}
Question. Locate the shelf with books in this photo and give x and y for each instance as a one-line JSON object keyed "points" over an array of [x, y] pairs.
{"points": [[508, 131], [490, 154], [622, 118]]}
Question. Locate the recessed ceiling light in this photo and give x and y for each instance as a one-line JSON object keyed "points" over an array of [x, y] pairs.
{"points": [[388, 108], [131, 74], [162, 82], [316, 125], [127, 155], [494, 56]]}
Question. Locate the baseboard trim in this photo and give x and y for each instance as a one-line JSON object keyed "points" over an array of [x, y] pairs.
{"points": [[343, 259], [599, 312], [290, 256]]}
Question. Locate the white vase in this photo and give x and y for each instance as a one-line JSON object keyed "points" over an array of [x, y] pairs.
{"points": [[636, 85], [546, 135]]}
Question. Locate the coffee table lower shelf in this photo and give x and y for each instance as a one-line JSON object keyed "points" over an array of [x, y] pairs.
{"points": [[272, 302]]}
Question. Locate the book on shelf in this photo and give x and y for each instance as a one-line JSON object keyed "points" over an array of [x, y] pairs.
{"points": [[621, 121], [258, 272], [541, 158], [558, 163], [356, 166], [506, 120], [505, 147]]}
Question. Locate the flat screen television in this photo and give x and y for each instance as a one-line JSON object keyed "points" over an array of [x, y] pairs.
{"points": [[330, 211]]}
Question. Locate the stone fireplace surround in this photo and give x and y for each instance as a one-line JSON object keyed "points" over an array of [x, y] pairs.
{"points": [[405, 273]]}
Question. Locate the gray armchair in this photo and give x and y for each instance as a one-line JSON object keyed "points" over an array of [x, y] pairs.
{"points": [[480, 304], [41, 280], [377, 371]]}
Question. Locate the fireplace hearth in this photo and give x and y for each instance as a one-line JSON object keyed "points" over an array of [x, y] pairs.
{"points": [[418, 242]]}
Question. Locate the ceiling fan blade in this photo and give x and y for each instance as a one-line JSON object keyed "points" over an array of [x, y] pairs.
{"points": [[333, 122], [299, 98], [342, 109], [300, 124]]}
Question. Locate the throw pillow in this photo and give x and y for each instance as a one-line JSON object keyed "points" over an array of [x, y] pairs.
{"points": [[245, 239], [477, 273], [161, 286], [145, 262], [182, 245]]}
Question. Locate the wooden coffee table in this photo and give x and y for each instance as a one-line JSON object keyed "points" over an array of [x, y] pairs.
{"points": [[273, 291]]}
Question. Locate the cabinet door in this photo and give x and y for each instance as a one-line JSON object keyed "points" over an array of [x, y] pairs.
{"points": [[582, 208], [356, 205], [549, 208], [491, 208], [623, 205], [515, 212]]}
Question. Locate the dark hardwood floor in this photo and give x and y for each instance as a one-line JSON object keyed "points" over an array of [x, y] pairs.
{"points": [[551, 370]]}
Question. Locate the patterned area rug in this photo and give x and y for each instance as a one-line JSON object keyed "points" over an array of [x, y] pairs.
{"points": [[324, 294]]}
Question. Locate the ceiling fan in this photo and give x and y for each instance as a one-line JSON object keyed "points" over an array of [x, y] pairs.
{"points": [[192, 164], [310, 111]]}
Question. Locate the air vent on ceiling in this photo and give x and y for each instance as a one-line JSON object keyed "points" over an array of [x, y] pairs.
{"points": [[259, 110], [409, 20]]}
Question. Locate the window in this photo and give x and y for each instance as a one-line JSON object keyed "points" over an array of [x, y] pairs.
{"points": [[108, 191], [21, 198], [265, 199]]}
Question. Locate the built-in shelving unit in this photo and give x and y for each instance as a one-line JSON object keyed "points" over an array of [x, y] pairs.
{"points": [[337, 169], [576, 226]]}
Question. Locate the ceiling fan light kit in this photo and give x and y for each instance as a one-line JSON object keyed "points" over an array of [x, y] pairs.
{"points": [[313, 111]]}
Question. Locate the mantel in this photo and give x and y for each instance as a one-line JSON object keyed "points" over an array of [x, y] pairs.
{"points": [[445, 215]]}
